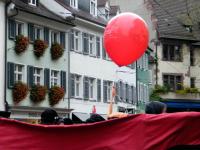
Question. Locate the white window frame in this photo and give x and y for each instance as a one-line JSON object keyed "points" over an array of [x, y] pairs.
{"points": [[31, 2], [36, 76], [17, 72], [92, 45], [77, 81], [77, 40], [74, 3], [36, 28], [93, 3], [53, 39], [17, 26], [53, 78], [91, 86]]}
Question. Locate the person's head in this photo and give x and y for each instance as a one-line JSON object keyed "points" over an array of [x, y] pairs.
{"points": [[94, 118], [49, 117], [155, 107], [68, 121]]}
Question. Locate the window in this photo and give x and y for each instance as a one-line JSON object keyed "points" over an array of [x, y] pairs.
{"points": [[54, 37], [93, 7], [107, 14], [19, 28], [91, 45], [104, 53], [98, 47], [77, 85], [38, 32], [18, 71], [37, 76], [171, 53], [173, 82], [75, 40], [192, 82], [54, 78], [32, 2], [15, 28], [192, 58], [107, 90], [91, 88], [74, 3], [85, 43]]}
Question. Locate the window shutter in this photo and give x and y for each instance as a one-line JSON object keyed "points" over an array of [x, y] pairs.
{"points": [[12, 29], [71, 40], [85, 88], [31, 32], [117, 92], [72, 88], [98, 47], [37, 2], [11, 77], [46, 78], [46, 35], [98, 90], [121, 91], [105, 96], [85, 43], [62, 39], [103, 50], [30, 72], [63, 80]]}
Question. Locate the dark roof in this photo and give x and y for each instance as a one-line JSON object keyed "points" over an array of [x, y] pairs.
{"points": [[114, 9], [173, 21], [82, 14], [40, 10], [101, 2]]}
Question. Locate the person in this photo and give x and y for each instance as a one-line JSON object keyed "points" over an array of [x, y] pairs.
{"points": [[68, 121], [155, 107], [151, 108], [111, 114], [49, 117], [95, 118]]}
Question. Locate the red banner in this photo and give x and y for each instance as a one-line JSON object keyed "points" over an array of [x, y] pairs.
{"points": [[137, 132]]}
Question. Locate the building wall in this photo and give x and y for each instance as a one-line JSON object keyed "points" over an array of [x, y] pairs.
{"points": [[86, 65], [2, 56], [28, 58]]}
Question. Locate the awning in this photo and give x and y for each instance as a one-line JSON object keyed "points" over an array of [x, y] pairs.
{"points": [[182, 105]]}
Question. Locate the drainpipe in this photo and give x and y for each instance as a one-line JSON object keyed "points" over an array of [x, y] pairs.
{"points": [[136, 83], [5, 56], [156, 43], [68, 77]]}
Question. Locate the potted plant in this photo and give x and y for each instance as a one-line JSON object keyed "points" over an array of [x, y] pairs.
{"points": [[55, 95], [37, 93], [39, 47], [56, 51], [21, 44], [20, 91]]}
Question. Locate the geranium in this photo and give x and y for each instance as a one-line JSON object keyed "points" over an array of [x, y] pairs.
{"points": [[20, 91], [38, 93], [39, 47], [21, 44], [56, 51], [55, 95]]}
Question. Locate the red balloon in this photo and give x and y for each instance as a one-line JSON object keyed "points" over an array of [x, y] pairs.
{"points": [[126, 38]]}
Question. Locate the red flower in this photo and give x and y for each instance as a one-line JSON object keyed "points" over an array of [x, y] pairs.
{"points": [[20, 91], [38, 93], [21, 44], [39, 47], [56, 51], [55, 95]]}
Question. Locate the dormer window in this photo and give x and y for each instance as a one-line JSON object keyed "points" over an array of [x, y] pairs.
{"points": [[32, 2], [107, 14], [93, 7], [74, 3]]}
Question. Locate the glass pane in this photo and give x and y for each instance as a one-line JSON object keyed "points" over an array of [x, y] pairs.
{"points": [[20, 68]]}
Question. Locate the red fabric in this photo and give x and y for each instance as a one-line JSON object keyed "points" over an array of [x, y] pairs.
{"points": [[136, 132], [94, 109]]}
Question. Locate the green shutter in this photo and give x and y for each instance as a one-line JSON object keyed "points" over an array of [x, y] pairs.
{"points": [[63, 80], [12, 29], [31, 32], [47, 78], [46, 35], [10, 76], [30, 72]]}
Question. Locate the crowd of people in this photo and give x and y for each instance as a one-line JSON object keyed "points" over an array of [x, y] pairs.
{"points": [[50, 116]]}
